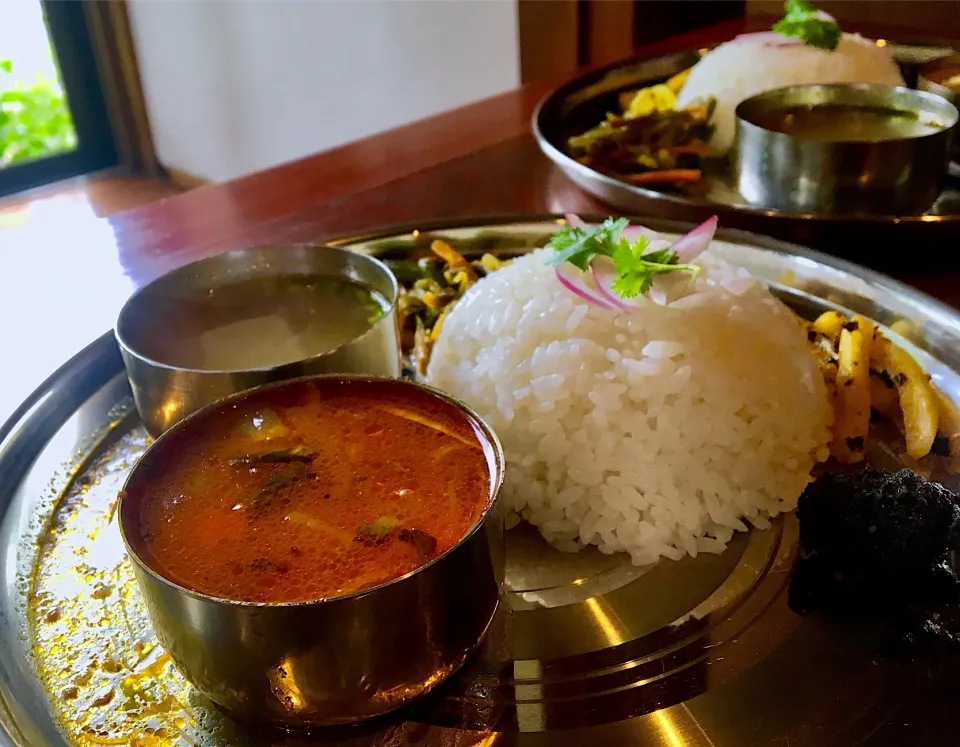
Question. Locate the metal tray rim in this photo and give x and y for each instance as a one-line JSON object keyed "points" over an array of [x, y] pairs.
{"points": [[574, 169], [101, 357]]}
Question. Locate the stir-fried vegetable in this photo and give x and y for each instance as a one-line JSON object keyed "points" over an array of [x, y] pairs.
{"points": [[867, 373], [431, 286], [651, 142]]}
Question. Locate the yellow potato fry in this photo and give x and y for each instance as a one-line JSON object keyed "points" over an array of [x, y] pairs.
{"points": [[829, 324], [651, 100], [824, 358], [852, 405], [906, 328], [884, 398], [453, 258], [918, 400]]}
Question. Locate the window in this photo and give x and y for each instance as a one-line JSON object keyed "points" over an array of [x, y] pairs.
{"points": [[53, 119]]}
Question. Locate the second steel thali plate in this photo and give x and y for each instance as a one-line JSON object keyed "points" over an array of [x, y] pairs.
{"points": [[872, 240], [587, 649]]}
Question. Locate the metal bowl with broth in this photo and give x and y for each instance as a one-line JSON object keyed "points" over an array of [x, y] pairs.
{"points": [[942, 77], [319, 551], [253, 316], [842, 149]]}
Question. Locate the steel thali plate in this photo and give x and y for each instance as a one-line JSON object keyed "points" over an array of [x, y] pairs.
{"points": [[586, 649], [872, 240]]}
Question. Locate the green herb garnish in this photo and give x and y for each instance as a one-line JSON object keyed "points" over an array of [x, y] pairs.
{"points": [[579, 245], [636, 264], [813, 27], [636, 267]]}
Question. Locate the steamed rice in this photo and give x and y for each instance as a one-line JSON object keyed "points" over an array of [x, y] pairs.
{"points": [[745, 67], [658, 432]]}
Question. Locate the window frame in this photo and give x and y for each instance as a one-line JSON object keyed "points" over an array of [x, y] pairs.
{"points": [[72, 42]]}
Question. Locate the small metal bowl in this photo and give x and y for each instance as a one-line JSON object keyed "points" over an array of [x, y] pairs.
{"points": [[165, 393], [338, 660], [927, 81], [898, 176]]}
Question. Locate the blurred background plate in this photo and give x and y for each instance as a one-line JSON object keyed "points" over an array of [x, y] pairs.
{"points": [[871, 240], [586, 649]]}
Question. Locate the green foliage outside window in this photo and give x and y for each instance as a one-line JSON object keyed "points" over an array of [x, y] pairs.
{"points": [[34, 118]]}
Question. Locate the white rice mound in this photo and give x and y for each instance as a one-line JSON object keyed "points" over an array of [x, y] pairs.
{"points": [[655, 431], [743, 68]]}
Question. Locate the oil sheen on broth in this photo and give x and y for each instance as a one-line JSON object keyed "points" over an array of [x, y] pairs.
{"points": [[261, 322], [330, 494], [846, 123]]}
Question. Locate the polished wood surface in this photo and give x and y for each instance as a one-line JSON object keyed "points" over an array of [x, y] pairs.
{"points": [[66, 272]]}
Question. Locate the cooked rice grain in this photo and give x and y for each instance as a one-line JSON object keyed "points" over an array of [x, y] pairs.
{"points": [[658, 432], [742, 68]]}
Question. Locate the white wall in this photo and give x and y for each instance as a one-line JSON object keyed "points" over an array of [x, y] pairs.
{"points": [[239, 86]]}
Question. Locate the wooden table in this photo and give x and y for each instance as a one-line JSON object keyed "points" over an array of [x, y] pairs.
{"points": [[65, 273]]}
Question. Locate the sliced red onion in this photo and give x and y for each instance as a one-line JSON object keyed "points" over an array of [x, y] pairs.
{"points": [[630, 233], [670, 287], [604, 273], [633, 233], [770, 39], [572, 279], [691, 245], [761, 36]]}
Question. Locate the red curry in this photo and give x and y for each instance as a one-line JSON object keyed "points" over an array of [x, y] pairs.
{"points": [[333, 492]]}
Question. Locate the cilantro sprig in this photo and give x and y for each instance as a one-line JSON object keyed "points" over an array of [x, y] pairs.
{"points": [[636, 263], [578, 245], [811, 26]]}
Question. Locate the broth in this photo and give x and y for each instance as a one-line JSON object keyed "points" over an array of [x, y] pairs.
{"points": [[846, 123], [326, 495], [259, 322]]}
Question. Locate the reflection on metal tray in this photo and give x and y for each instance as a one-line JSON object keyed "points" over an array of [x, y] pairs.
{"points": [[583, 102], [587, 649]]}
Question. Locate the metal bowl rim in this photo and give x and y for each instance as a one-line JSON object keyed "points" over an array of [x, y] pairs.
{"points": [[931, 86], [496, 489], [185, 269], [950, 62], [933, 99]]}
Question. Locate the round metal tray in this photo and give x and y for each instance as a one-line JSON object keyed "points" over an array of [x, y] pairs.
{"points": [[586, 649], [872, 240]]}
